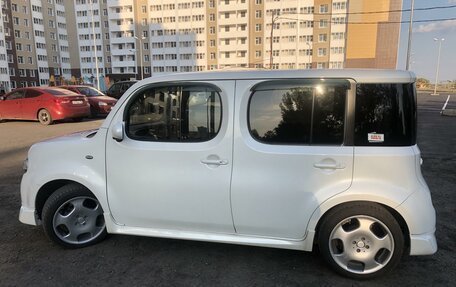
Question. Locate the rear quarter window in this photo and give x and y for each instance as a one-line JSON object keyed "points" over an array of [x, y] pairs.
{"points": [[385, 115]]}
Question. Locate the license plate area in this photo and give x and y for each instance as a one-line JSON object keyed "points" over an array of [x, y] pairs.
{"points": [[79, 102]]}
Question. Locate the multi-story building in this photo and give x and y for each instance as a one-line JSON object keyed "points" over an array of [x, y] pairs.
{"points": [[4, 71], [44, 42]]}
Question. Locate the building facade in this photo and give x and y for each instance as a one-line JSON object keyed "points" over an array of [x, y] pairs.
{"points": [[46, 42]]}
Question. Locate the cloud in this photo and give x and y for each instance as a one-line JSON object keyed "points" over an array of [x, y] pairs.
{"points": [[436, 26], [451, 1]]}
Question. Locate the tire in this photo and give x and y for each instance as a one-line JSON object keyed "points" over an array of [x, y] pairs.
{"points": [[45, 118], [93, 112], [77, 120], [361, 240], [73, 217]]}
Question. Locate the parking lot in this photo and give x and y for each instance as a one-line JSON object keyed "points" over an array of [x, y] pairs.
{"points": [[27, 257]]}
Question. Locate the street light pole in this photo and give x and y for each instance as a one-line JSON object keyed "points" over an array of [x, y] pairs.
{"points": [[274, 18], [438, 66], [141, 53], [308, 52], [409, 45], [95, 47]]}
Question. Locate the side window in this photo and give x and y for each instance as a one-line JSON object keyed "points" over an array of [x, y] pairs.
{"points": [[16, 95], [123, 88], [32, 93], [385, 115], [114, 88], [310, 112], [190, 113]]}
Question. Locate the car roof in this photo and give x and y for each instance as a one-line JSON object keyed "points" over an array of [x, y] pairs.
{"points": [[359, 75], [125, 82]]}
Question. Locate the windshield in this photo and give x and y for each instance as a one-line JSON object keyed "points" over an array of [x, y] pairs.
{"points": [[90, 92]]}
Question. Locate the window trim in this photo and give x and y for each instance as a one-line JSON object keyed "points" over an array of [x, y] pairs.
{"points": [[281, 84], [185, 84]]}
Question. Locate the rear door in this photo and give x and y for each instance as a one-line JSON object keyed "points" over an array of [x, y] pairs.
{"points": [[290, 153], [31, 104]]}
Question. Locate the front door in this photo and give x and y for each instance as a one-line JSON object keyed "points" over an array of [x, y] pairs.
{"points": [[11, 107], [172, 170]]}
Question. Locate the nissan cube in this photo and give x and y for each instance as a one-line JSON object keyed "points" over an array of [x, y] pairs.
{"points": [[298, 160]]}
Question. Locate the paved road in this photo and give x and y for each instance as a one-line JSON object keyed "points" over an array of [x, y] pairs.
{"points": [[27, 257]]}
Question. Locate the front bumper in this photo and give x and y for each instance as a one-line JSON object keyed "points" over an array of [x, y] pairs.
{"points": [[27, 212], [28, 216]]}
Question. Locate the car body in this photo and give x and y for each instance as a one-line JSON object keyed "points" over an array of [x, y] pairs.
{"points": [[45, 104], [285, 159], [100, 104], [118, 89]]}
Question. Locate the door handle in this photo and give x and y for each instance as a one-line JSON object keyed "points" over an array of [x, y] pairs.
{"points": [[214, 161], [329, 165]]}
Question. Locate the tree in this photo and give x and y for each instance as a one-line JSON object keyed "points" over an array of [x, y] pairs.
{"points": [[422, 83]]}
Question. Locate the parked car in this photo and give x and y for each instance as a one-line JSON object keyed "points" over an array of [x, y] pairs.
{"points": [[45, 104], [118, 89], [100, 104], [289, 159]]}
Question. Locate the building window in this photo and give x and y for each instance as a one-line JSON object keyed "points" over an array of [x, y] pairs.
{"points": [[257, 27], [324, 9], [323, 23], [322, 37], [321, 52], [258, 40]]}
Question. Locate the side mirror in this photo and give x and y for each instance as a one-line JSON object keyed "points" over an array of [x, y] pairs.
{"points": [[117, 131]]}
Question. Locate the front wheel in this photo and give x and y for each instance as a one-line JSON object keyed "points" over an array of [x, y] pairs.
{"points": [[361, 240], [73, 217]]}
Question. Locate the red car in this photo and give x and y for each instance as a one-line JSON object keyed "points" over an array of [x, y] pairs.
{"points": [[100, 104], [45, 104]]}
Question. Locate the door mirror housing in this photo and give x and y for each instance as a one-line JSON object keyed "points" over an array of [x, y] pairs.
{"points": [[118, 131]]}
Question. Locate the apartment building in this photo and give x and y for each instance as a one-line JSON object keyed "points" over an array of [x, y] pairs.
{"points": [[47, 41]]}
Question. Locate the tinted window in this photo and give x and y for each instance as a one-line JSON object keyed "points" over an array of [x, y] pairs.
{"points": [[32, 93], [114, 88], [90, 92], [309, 113], [59, 92], [16, 95], [385, 115], [175, 114]]}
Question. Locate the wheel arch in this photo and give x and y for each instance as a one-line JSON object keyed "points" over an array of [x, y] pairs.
{"points": [[48, 189], [397, 216]]}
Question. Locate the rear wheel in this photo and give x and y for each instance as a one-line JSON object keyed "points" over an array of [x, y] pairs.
{"points": [[44, 117], [73, 217], [361, 240]]}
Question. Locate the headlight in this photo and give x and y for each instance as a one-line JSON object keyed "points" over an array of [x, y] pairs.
{"points": [[25, 165]]}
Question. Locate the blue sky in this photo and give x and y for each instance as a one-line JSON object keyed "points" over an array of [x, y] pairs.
{"points": [[424, 48]]}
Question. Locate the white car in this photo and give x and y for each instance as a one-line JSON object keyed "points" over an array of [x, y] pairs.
{"points": [[286, 159]]}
